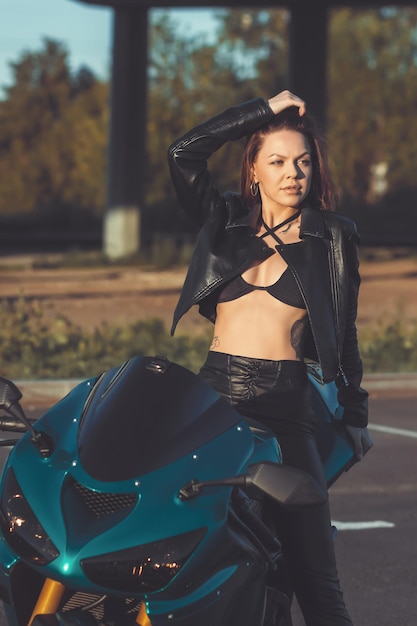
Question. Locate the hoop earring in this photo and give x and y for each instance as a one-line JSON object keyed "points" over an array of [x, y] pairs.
{"points": [[254, 189]]}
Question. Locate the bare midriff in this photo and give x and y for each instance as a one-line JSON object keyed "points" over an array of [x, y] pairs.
{"points": [[257, 325]]}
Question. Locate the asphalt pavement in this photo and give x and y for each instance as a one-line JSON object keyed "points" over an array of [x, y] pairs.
{"points": [[374, 505]]}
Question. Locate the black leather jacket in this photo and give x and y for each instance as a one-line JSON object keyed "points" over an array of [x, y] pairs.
{"points": [[326, 271]]}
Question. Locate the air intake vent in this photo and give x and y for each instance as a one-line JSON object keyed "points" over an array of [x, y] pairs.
{"points": [[105, 504], [102, 607]]}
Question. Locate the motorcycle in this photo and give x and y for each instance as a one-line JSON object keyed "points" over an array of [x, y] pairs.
{"points": [[140, 499]]}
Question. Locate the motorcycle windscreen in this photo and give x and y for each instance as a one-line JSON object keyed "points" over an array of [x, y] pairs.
{"points": [[146, 414]]}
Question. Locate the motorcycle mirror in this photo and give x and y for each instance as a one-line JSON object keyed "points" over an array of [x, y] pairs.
{"points": [[288, 486], [9, 394], [9, 402]]}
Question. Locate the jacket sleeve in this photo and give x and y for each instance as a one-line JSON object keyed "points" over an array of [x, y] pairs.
{"points": [[188, 155], [352, 396]]}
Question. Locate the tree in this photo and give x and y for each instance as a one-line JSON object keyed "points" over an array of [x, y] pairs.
{"points": [[372, 78], [192, 79], [372, 122], [53, 136], [54, 122]]}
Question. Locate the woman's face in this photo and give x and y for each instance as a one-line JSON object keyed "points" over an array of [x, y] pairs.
{"points": [[283, 169]]}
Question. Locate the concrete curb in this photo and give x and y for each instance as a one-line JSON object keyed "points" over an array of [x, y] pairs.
{"points": [[47, 392], [375, 382]]}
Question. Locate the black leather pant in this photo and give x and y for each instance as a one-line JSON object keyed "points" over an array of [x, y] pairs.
{"points": [[276, 394]]}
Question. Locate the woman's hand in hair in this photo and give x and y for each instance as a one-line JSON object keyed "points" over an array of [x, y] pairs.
{"points": [[286, 99]]}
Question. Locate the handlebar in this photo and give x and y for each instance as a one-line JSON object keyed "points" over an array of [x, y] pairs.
{"points": [[11, 425]]}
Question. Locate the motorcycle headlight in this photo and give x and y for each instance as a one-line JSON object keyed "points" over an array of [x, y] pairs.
{"points": [[145, 568], [20, 527]]}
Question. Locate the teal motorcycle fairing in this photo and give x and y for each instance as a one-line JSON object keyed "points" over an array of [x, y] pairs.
{"points": [[102, 515]]}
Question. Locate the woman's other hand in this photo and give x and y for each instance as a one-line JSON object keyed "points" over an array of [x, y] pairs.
{"points": [[286, 99], [362, 440]]}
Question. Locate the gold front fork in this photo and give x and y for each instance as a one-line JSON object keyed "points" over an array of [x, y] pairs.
{"points": [[49, 599], [51, 596], [143, 618]]}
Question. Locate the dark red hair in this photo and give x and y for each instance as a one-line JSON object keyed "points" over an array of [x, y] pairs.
{"points": [[321, 194]]}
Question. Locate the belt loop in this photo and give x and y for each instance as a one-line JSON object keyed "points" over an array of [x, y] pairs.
{"points": [[279, 367]]}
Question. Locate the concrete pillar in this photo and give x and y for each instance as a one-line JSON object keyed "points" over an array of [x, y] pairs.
{"points": [[308, 55], [126, 160]]}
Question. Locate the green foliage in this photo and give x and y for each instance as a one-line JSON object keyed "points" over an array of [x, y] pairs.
{"points": [[372, 73], [183, 71], [54, 121], [372, 70], [34, 346], [390, 347], [53, 137]]}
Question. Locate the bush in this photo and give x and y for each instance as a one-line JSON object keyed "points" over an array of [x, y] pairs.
{"points": [[390, 347], [32, 346]]}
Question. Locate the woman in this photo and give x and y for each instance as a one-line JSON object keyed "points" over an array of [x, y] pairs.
{"points": [[276, 270]]}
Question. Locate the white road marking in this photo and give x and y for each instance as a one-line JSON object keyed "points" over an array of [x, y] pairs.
{"points": [[362, 525], [377, 523], [394, 431]]}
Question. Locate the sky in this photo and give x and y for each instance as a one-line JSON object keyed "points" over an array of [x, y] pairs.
{"points": [[86, 31]]}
